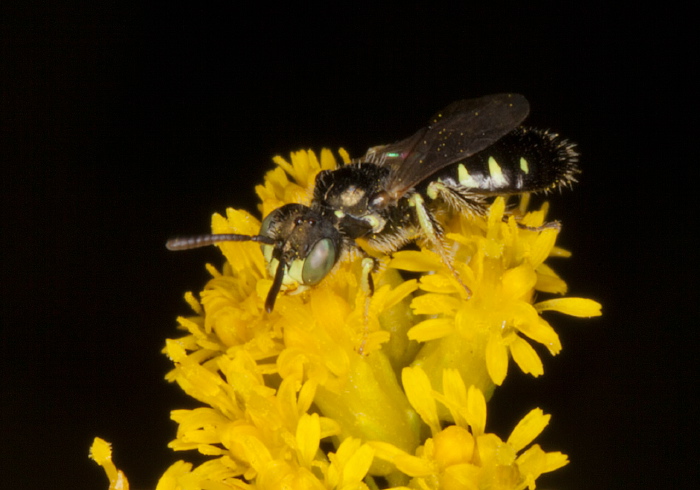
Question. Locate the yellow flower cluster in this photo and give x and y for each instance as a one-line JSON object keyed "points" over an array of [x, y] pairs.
{"points": [[340, 389]]}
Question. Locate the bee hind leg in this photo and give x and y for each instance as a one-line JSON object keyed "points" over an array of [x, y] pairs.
{"points": [[434, 233], [522, 209], [546, 226]]}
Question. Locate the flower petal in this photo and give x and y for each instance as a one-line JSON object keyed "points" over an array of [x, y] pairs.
{"points": [[496, 358], [476, 410], [418, 391], [526, 357], [528, 429], [431, 329], [308, 438], [580, 307]]}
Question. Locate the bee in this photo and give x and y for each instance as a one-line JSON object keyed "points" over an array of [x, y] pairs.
{"points": [[470, 151]]}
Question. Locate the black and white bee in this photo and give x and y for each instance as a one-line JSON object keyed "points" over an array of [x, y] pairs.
{"points": [[469, 151]]}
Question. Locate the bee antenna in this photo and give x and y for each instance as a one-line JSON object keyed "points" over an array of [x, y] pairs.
{"points": [[197, 241]]}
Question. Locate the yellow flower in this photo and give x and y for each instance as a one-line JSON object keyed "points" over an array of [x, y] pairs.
{"points": [[101, 453], [503, 266], [464, 456], [337, 387], [279, 190]]}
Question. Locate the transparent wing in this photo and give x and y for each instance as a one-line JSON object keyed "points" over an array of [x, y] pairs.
{"points": [[460, 130]]}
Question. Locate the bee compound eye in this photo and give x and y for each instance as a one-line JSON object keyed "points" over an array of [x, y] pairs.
{"points": [[319, 261], [267, 222]]}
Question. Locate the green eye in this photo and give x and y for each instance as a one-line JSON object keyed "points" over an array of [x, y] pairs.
{"points": [[319, 261], [265, 226]]}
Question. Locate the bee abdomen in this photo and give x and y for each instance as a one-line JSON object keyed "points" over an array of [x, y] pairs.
{"points": [[524, 160]]}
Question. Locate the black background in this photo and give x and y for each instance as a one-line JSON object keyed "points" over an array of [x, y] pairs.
{"points": [[124, 124]]}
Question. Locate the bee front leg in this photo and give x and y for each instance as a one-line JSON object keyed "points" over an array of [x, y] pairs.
{"points": [[369, 265]]}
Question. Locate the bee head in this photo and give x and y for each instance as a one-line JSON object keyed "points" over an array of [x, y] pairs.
{"points": [[305, 249], [299, 245]]}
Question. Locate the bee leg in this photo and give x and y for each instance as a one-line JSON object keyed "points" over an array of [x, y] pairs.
{"points": [[551, 225], [433, 231], [522, 209], [369, 265]]}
